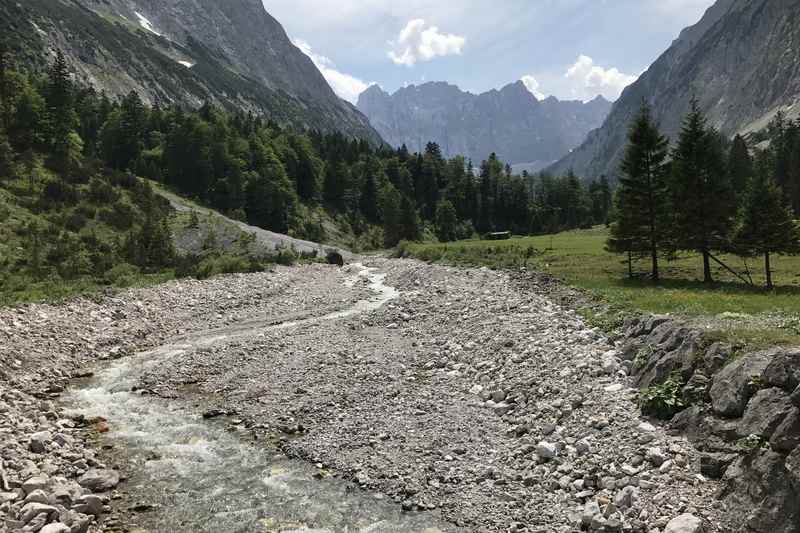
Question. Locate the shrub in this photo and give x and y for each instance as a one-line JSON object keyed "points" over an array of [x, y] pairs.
{"points": [[75, 221], [101, 192], [663, 400], [122, 275], [119, 215]]}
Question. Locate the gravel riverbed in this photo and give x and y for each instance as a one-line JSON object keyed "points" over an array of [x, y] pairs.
{"points": [[467, 396]]}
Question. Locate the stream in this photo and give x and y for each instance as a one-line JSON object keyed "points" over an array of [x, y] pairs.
{"points": [[194, 475]]}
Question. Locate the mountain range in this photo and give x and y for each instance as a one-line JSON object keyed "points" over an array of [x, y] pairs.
{"points": [[511, 122], [231, 53], [740, 61]]}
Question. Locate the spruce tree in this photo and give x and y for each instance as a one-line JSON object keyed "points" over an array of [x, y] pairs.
{"points": [[643, 196], [767, 225], [740, 167], [446, 221], [702, 201]]}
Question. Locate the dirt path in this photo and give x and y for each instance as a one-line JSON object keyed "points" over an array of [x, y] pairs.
{"points": [[465, 397]]}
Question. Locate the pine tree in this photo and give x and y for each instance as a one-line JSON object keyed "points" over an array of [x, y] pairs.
{"points": [[409, 220], [446, 221], [702, 200], [740, 167], [767, 225], [643, 196]]}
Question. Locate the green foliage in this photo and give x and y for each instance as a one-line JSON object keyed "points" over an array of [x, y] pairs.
{"points": [[662, 400], [643, 205], [446, 221]]}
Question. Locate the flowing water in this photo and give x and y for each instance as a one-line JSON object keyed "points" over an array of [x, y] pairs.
{"points": [[200, 477]]}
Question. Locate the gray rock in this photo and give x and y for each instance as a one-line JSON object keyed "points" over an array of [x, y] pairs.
{"points": [[713, 465], [787, 435], [89, 505], [655, 456], [34, 483], [733, 386], [716, 357], [784, 370], [38, 442], [56, 527], [765, 412], [37, 496], [546, 450], [685, 523], [793, 467], [32, 510], [80, 522], [99, 480], [590, 511], [625, 498]]}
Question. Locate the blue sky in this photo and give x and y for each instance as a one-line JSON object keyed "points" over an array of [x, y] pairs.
{"points": [[572, 49]]}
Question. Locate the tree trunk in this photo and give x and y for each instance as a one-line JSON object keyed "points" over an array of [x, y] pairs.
{"points": [[768, 270], [654, 254], [707, 267], [630, 265]]}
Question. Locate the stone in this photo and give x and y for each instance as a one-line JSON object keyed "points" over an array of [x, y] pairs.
{"points": [[765, 412], [793, 467], [34, 483], [787, 435], [99, 480], [37, 496], [696, 390], [734, 385], [582, 447], [546, 450], [89, 505], [610, 363], [655, 456], [38, 442], [625, 498], [32, 510], [590, 511], [783, 370], [56, 527], [80, 522], [685, 523], [716, 357], [713, 465]]}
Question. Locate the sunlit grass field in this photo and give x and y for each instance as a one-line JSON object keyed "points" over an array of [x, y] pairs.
{"points": [[736, 311]]}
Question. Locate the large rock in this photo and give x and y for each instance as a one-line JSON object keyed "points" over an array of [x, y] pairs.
{"points": [[761, 492], [734, 385], [685, 523], [787, 435], [32, 510], [765, 412], [673, 349], [99, 480], [784, 370]]}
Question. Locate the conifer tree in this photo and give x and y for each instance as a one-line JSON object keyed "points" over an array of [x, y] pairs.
{"points": [[740, 167], [702, 200], [767, 225], [446, 221], [409, 220], [643, 197]]}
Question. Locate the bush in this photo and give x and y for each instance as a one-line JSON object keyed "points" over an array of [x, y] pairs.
{"points": [[101, 192], [75, 221], [59, 192], [663, 400], [119, 215], [122, 275]]}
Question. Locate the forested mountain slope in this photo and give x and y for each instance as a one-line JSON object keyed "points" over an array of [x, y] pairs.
{"points": [[740, 61], [231, 53], [510, 122]]}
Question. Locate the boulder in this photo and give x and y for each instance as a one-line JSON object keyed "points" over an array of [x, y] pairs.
{"points": [[733, 386], [784, 370], [675, 350], [685, 523], [713, 465], [787, 435], [793, 467], [99, 480], [716, 357], [334, 258], [765, 412]]}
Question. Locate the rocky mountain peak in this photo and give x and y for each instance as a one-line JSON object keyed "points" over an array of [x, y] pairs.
{"points": [[739, 60]]}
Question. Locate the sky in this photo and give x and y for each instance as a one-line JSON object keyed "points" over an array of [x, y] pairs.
{"points": [[571, 49]]}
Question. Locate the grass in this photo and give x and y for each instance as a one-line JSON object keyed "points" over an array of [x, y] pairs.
{"points": [[728, 309]]}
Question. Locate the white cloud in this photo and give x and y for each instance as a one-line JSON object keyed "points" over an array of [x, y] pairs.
{"points": [[532, 84], [416, 43], [588, 80], [346, 86]]}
